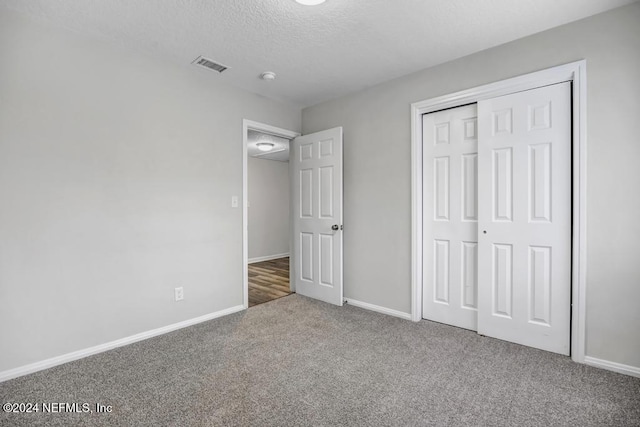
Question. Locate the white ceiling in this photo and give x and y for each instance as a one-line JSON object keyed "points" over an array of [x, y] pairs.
{"points": [[280, 150], [319, 52]]}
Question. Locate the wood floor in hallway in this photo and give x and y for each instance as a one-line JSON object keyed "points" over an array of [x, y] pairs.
{"points": [[268, 280]]}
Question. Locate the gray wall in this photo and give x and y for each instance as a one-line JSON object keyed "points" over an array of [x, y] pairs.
{"points": [[268, 223], [116, 177], [377, 169]]}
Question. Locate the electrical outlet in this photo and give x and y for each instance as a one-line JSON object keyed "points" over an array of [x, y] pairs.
{"points": [[179, 293]]}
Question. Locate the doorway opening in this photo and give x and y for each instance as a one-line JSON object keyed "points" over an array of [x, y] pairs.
{"points": [[315, 210], [268, 216], [266, 213]]}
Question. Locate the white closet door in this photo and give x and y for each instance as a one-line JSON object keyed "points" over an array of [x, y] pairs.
{"points": [[524, 258], [450, 226]]}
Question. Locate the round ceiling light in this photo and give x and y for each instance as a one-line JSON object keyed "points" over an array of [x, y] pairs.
{"points": [[268, 76], [310, 2], [265, 146]]}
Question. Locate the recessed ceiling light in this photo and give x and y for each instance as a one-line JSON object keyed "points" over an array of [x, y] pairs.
{"points": [[265, 146], [310, 2]]}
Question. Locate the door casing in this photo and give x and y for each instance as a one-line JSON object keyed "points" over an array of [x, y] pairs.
{"points": [[575, 73]]}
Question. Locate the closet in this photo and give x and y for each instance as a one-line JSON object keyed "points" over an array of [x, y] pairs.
{"points": [[497, 217]]}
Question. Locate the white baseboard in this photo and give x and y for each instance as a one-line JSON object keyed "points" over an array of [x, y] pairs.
{"points": [[378, 309], [69, 357], [267, 258], [612, 366]]}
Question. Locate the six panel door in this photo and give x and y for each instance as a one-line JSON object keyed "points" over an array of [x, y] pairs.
{"points": [[524, 177], [316, 163], [450, 252]]}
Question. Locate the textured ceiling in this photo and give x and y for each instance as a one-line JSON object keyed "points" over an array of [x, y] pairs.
{"points": [[318, 52], [280, 151]]}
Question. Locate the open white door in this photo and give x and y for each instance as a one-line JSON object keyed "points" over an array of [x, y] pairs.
{"points": [[316, 162], [524, 217]]}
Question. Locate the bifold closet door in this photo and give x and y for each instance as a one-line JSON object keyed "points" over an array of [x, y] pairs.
{"points": [[450, 215], [524, 217]]}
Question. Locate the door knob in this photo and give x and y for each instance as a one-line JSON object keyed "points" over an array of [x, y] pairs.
{"points": [[335, 227]]}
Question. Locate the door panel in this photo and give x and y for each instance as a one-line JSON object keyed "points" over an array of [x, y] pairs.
{"points": [[502, 181], [524, 257], [317, 197], [470, 187], [450, 216], [469, 274]]}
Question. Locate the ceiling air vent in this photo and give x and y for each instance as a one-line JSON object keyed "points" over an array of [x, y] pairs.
{"points": [[207, 63]]}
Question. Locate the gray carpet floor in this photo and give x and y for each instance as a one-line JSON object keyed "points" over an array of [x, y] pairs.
{"points": [[299, 362]]}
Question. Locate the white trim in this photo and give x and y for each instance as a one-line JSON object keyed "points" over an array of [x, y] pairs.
{"points": [[574, 72], [634, 371], [416, 213], [378, 309], [267, 258], [261, 127], [69, 357], [579, 249], [559, 74]]}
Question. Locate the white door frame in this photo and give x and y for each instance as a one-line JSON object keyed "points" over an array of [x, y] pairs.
{"points": [[575, 72], [275, 131]]}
